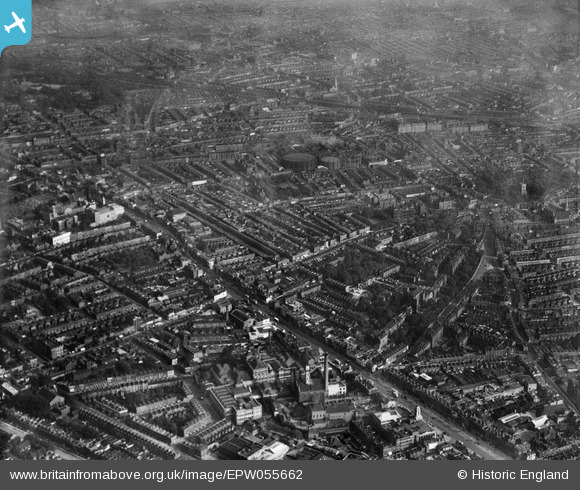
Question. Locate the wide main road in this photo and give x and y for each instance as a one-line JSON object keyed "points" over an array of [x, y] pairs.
{"points": [[475, 445], [482, 449]]}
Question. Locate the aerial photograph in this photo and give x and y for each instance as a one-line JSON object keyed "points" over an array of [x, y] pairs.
{"points": [[290, 230]]}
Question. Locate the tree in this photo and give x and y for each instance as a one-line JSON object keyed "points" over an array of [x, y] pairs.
{"points": [[30, 403], [535, 190], [123, 367], [40, 381]]}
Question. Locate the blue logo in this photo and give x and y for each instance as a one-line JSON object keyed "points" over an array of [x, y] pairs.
{"points": [[15, 22]]}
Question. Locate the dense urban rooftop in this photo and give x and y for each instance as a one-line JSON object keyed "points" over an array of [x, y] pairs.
{"points": [[291, 230]]}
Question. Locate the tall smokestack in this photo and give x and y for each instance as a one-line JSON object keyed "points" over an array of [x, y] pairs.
{"points": [[326, 371]]}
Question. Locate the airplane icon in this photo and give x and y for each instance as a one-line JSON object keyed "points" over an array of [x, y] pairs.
{"points": [[17, 23]]}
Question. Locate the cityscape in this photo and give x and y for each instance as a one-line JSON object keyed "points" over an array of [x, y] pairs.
{"points": [[291, 230]]}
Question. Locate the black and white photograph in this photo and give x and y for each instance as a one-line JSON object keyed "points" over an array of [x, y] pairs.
{"points": [[290, 230]]}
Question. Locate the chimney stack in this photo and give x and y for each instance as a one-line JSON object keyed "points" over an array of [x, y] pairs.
{"points": [[326, 371]]}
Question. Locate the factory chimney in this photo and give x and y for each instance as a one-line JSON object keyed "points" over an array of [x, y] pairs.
{"points": [[326, 371]]}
